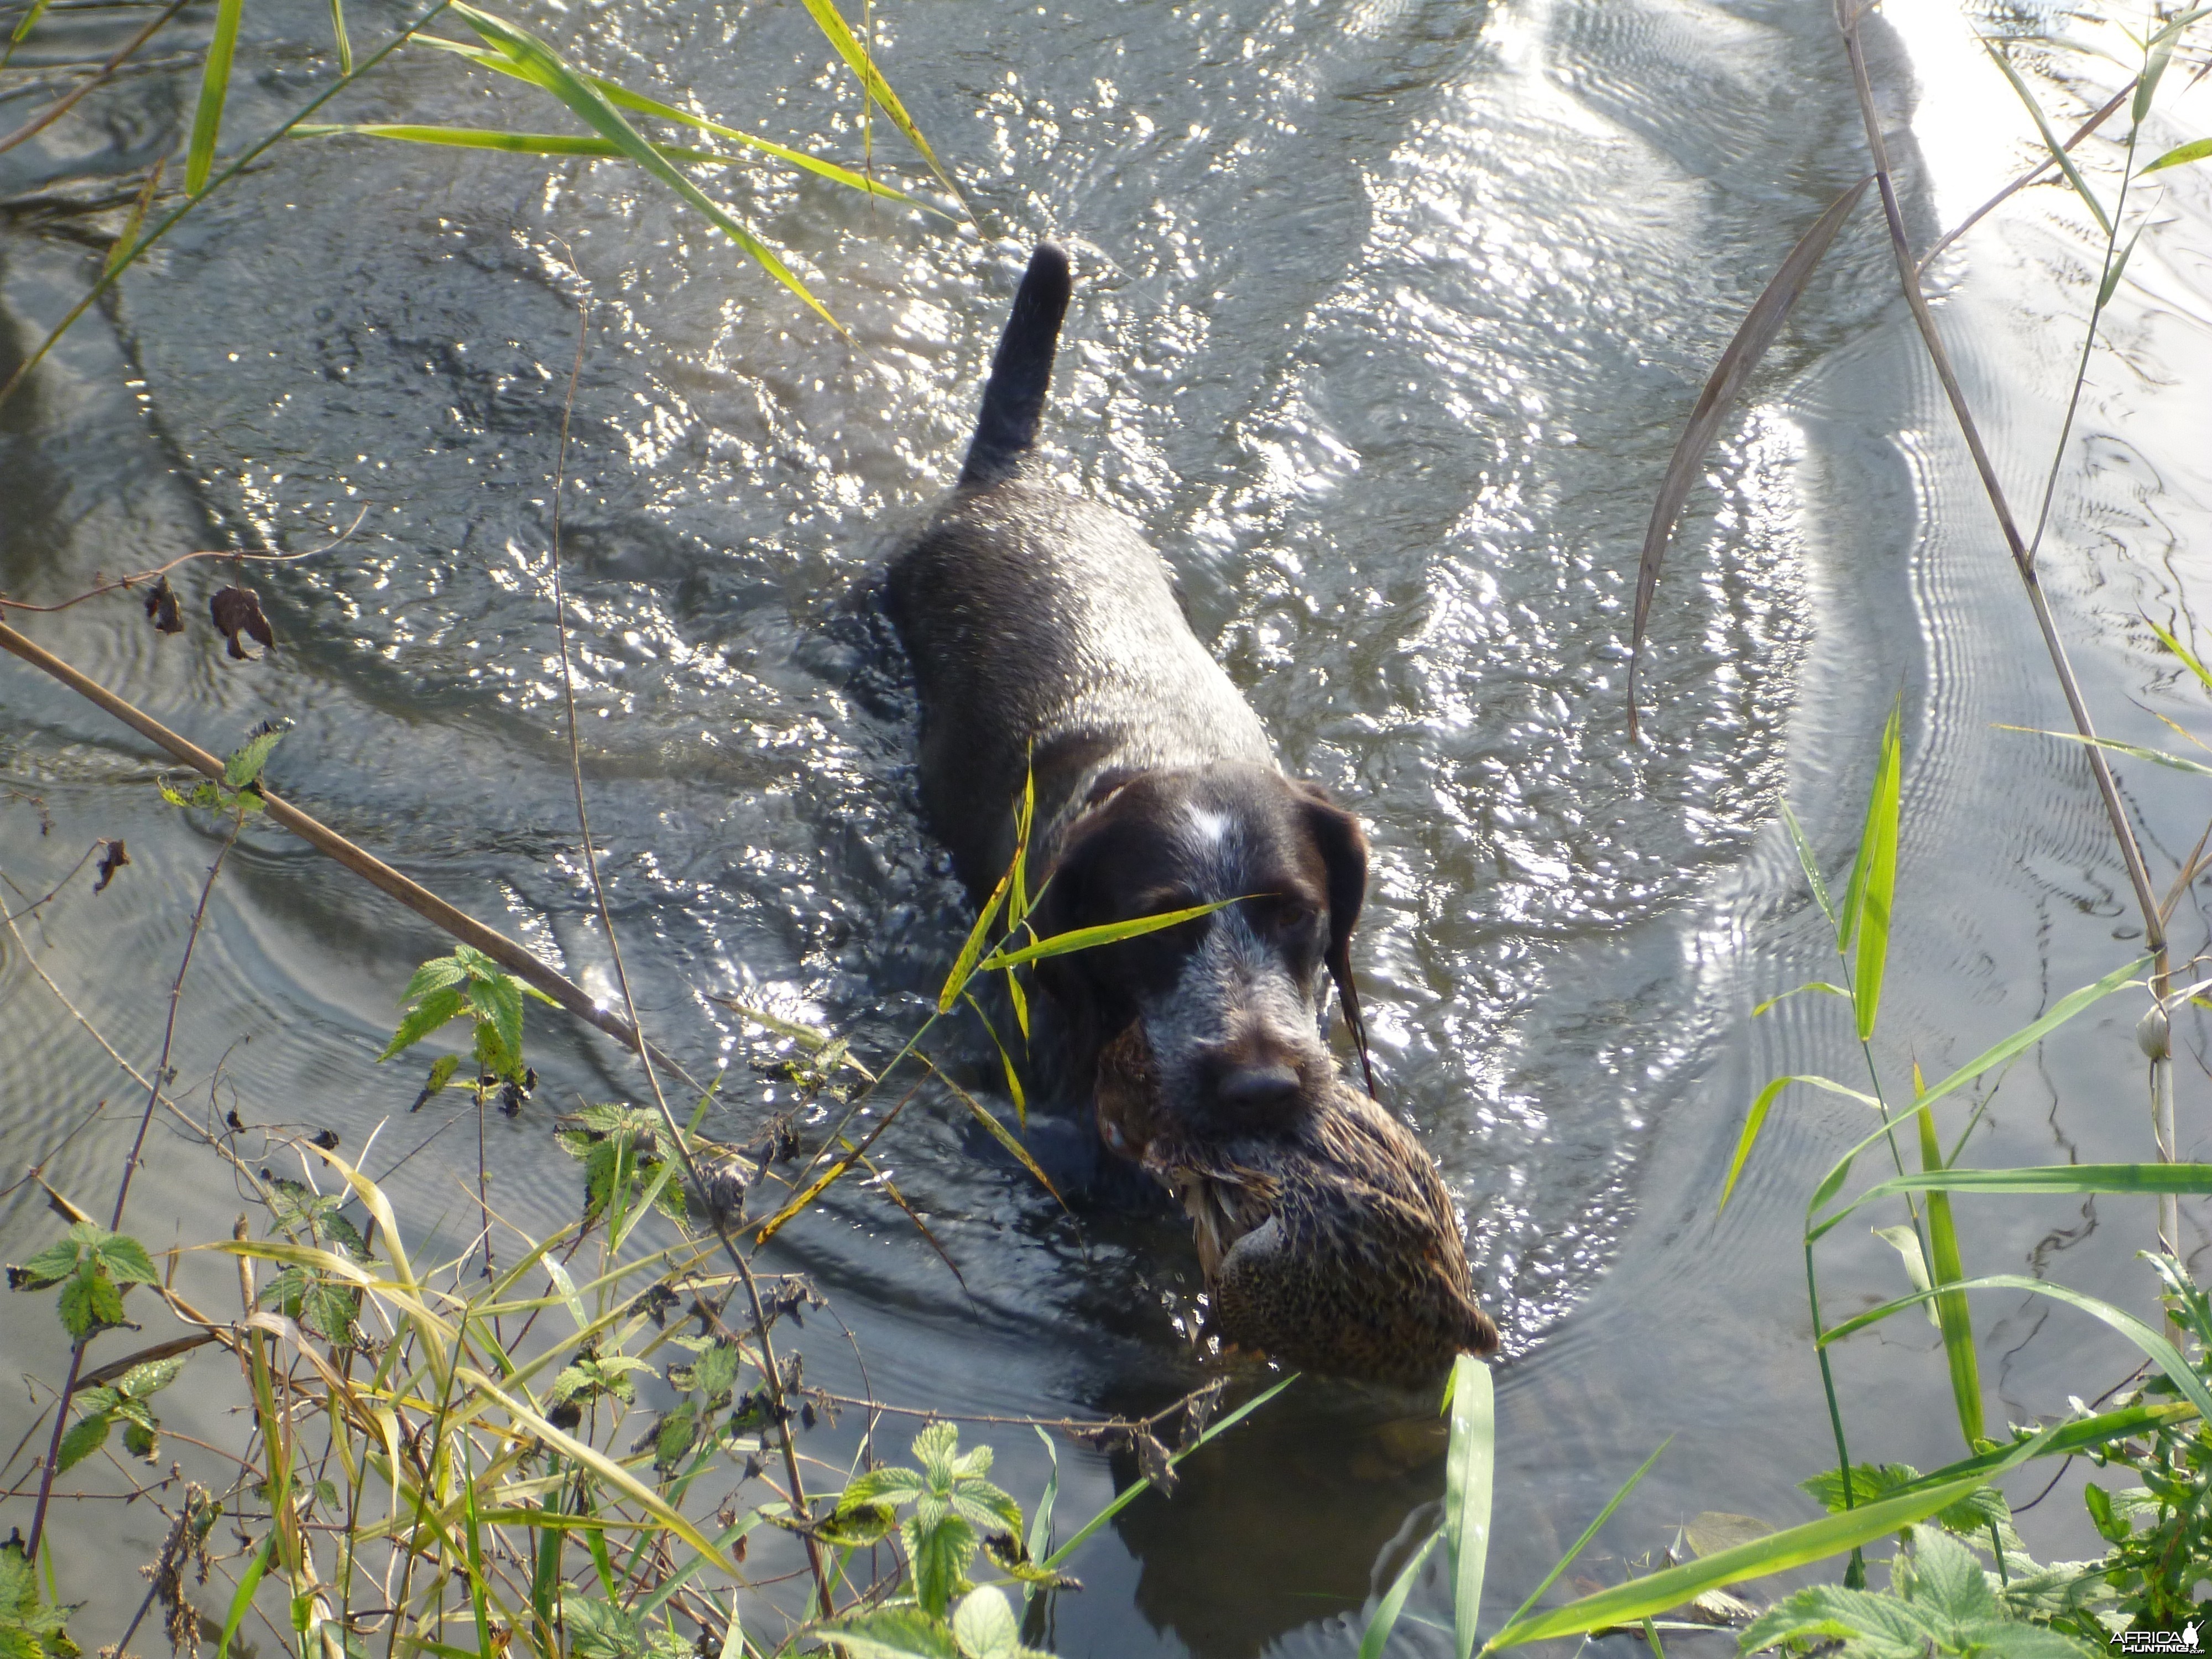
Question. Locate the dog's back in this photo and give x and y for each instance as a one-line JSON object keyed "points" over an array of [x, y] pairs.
{"points": [[1043, 628]]}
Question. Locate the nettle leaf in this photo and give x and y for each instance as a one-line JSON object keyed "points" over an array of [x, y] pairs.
{"points": [[86, 1436], [437, 1009], [932, 1449], [49, 1266], [888, 1484], [714, 1375], [940, 1554], [435, 974], [675, 1435], [90, 1303], [150, 1378], [499, 1001], [123, 1257], [857, 1526], [895, 1633], [142, 1440], [245, 767], [600, 1629]]}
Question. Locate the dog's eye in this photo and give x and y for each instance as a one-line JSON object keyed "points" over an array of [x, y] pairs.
{"points": [[1292, 917]]}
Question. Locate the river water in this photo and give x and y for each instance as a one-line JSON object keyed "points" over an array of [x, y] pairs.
{"points": [[1387, 315]]}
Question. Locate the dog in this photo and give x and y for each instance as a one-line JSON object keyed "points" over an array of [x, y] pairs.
{"points": [[1047, 642]]}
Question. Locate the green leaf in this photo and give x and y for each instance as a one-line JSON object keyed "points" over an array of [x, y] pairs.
{"points": [[2158, 756], [245, 767], [1377, 1637], [339, 35], [1109, 933], [1040, 1537], [1809, 984], [141, 1381], [2029, 1035], [1815, 1541], [2163, 1353], [2203, 675], [2051, 140], [90, 1302], [50, 1266], [888, 1485], [675, 1436], [1810, 865], [30, 20], [1590, 1532], [1874, 881], [939, 1551], [1469, 1459], [971, 949], [1906, 1243], [544, 66], [214, 86], [1003, 1135], [439, 1008], [86, 1436], [622, 98], [898, 1632], [2182, 155], [2059, 1178], [143, 1440], [2105, 289], [125, 1258], [826, 18], [983, 1625], [1756, 1120], [1952, 1315], [498, 1000]]}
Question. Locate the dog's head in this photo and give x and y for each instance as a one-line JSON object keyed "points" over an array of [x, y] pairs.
{"points": [[1226, 1004]]}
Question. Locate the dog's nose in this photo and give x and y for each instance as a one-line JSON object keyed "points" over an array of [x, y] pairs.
{"points": [[1259, 1088]]}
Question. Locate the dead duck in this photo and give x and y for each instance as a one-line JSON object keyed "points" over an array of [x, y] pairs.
{"points": [[1327, 1240]]}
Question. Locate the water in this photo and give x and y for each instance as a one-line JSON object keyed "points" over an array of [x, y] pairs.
{"points": [[1388, 313]]}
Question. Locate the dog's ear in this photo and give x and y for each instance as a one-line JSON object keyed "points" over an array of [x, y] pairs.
{"points": [[1343, 846], [1066, 902]]}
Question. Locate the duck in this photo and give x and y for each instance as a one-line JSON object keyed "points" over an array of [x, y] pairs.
{"points": [[1327, 1240]]}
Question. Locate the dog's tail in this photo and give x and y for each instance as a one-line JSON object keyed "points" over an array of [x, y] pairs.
{"points": [[1021, 371]]}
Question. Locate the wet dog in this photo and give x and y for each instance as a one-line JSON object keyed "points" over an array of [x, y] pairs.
{"points": [[1046, 639]]}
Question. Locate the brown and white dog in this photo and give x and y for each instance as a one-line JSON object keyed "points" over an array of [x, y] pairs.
{"points": [[1046, 634]]}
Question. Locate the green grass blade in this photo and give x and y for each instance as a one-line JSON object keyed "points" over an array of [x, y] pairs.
{"points": [[30, 22], [1877, 882], [519, 144], [1810, 865], [214, 86], [1470, 1464], [971, 951], [1820, 985], [1752, 1125], [2067, 1178], [1005, 1060], [2203, 675], [137, 221], [2159, 755], [2081, 1435], [1816, 1541], [999, 1132], [1109, 932], [1039, 1538], [338, 34], [2051, 140], [1377, 1635], [622, 98], [590, 105], [1588, 1533], [1952, 1315], [1130, 1493], [2162, 1352], [2182, 155], [241, 1600], [2029, 1035], [1757, 1118], [832, 25]]}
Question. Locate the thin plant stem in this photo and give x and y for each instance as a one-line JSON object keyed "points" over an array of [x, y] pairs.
{"points": [[2023, 562], [1857, 1572], [61, 106], [108, 277], [771, 1372], [122, 1187]]}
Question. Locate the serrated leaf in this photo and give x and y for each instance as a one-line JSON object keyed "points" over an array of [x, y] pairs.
{"points": [[49, 1266], [888, 1484], [89, 1302], [933, 1450], [245, 767], [435, 975], [143, 1440], [125, 1260], [902, 1632], [438, 1009], [86, 1436], [939, 1553]]}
